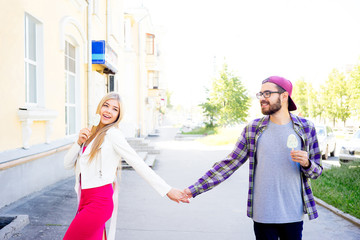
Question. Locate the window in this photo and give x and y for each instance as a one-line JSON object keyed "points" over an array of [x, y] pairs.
{"points": [[111, 84], [33, 61], [70, 89], [153, 79], [150, 44]]}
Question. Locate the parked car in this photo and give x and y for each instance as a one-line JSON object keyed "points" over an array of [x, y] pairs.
{"points": [[327, 140], [350, 152], [350, 129]]}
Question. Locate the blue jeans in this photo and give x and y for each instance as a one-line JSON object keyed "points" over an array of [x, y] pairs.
{"points": [[283, 231]]}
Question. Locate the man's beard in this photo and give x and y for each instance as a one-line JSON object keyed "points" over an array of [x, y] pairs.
{"points": [[273, 108]]}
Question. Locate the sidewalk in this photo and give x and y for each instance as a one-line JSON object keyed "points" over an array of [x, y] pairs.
{"points": [[143, 214]]}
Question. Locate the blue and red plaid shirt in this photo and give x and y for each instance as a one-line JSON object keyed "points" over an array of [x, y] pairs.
{"points": [[245, 148]]}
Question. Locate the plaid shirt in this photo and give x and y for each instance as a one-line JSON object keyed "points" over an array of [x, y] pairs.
{"points": [[245, 148]]}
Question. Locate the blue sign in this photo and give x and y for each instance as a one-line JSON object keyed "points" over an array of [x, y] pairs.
{"points": [[103, 54]]}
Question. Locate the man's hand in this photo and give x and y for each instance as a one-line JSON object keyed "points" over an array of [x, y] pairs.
{"points": [[177, 196], [188, 192], [300, 157]]}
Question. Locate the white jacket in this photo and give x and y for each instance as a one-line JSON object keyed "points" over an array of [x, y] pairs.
{"points": [[103, 168]]}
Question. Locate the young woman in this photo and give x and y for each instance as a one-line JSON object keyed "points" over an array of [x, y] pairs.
{"points": [[96, 156]]}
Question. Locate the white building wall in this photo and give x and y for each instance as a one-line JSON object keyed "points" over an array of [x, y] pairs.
{"points": [[128, 89]]}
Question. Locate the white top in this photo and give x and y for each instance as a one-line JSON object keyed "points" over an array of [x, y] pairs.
{"points": [[102, 169]]}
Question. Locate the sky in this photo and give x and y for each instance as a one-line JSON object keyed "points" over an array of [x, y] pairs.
{"points": [[296, 39]]}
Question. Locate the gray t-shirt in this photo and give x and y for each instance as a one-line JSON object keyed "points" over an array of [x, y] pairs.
{"points": [[277, 182]]}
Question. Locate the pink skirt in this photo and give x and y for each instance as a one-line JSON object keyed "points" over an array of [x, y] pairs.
{"points": [[95, 208]]}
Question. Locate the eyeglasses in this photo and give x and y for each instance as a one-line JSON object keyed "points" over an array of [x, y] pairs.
{"points": [[266, 94]]}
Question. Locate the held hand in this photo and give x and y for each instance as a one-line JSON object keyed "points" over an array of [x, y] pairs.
{"points": [[300, 157], [84, 134], [177, 196], [188, 192]]}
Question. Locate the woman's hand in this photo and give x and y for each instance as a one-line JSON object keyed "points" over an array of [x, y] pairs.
{"points": [[177, 196], [84, 134]]}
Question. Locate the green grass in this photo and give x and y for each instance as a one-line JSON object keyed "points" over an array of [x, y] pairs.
{"points": [[223, 136], [217, 136], [201, 131], [340, 187]]}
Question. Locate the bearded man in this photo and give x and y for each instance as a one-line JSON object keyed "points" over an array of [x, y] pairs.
{"points": [[279, 174]]}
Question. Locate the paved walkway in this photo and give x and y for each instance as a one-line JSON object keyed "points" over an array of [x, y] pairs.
{"points": [[217, 214]]}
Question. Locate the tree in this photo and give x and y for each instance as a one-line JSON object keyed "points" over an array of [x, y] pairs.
{"points": [[228, 102], [354, 83], [317, 103], [307, 99], [168, 99], [337, 97], [210, 111], [301, 97]]}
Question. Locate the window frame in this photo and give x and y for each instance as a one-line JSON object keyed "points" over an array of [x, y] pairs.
{"points": [[150, 44], [38, 63], [153, 79], [75, 75]]}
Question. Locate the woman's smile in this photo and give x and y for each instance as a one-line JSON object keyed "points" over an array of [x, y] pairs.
{"points": [[109, 112]]}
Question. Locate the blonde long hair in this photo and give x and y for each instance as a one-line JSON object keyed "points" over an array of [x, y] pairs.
{"points": [[98, 133]]}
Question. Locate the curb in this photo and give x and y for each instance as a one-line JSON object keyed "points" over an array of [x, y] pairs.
{"points": [[16, 225], [328, 165], [338, 212]]}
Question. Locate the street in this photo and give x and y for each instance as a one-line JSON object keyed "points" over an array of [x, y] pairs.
{"points": [[219, 213], [143, 214]]}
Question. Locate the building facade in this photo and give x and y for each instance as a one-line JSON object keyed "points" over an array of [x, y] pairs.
{"points": [[60, 61], [143, 64]]}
